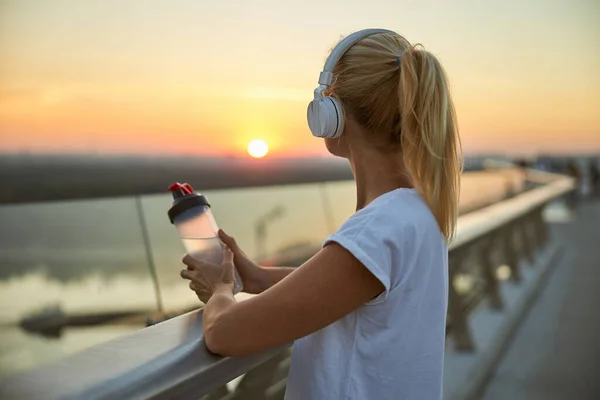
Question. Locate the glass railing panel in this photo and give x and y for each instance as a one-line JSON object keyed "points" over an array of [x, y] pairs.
{"points": [[61, 263]]}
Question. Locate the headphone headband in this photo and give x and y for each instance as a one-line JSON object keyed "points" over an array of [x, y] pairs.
{"points": [[325, 114], [342, 47]]}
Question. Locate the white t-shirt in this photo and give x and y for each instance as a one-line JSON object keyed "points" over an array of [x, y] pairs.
{"points": [[392, 347]]}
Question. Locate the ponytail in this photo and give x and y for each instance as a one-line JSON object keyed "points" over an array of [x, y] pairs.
{"points": [[429, 135], [399, 95]]}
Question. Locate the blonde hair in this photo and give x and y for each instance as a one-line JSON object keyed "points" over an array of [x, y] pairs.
{"points": [[398, 93]]}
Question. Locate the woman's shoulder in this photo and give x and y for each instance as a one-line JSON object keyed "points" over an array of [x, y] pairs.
{"points": [[393, 212]]}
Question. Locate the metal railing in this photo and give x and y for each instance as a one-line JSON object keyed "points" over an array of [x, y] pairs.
{"points": [[170, 360], [497, 236]]}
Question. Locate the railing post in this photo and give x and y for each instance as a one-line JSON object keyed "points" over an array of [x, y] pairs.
{"points": [[541, 229], [148, 249], [460, 328], [510, 252], [523, 224], [533, 232], [488, 271], [256, 381]]}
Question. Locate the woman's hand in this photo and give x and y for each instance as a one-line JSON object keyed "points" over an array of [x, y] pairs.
{"points": [[206, 278], [252, 275]]}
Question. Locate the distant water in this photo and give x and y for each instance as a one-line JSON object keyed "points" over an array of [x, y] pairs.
{"points": [[89, 256]]}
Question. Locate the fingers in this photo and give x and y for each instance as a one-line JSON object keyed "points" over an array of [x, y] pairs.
{"points": [[227, 265], [186, 274], [189, 261], [227, 256], [192, 262], [197, 287], [228, 240], [203, 294]]}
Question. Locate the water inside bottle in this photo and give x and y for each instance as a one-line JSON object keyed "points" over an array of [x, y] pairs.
{"points": [[209, 249]]}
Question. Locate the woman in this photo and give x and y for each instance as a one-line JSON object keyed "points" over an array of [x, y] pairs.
{"points": [[367, 312]]}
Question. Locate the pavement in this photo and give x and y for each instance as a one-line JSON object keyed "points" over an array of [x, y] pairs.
{"points": [[555, 352]]}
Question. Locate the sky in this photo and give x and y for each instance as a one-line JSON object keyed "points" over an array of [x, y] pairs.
{"points": [[207, 77]]}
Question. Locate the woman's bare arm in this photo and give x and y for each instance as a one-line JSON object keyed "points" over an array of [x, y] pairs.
{"points": [[305, 299], [269, 276]]}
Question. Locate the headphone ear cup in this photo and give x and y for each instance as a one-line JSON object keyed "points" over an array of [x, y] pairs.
{"points": [[339, 117], [312, 115], [325, 117]]}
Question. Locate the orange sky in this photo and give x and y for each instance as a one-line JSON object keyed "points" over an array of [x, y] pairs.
{"points": [[196, 76]]}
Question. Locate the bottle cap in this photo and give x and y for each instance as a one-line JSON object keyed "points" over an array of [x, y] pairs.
{"points": [[184, 198]]}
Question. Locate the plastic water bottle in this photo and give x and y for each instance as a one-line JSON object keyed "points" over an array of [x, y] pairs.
{"points": [[198, 230]]}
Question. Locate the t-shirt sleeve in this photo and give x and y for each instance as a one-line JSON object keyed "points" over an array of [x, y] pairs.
{"points": [[368, 240]]}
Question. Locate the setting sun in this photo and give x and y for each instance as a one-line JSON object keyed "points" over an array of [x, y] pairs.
{"points": [[258, 148]]}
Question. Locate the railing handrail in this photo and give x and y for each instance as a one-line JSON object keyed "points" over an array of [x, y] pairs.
{"points": [[486, 219], [167, 360], [170, 359]]}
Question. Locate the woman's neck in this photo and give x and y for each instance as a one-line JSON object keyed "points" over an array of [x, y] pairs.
{"points": [[377, 173]]}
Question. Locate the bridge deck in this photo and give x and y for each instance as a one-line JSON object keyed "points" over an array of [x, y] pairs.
{"points": [[555, 353]]}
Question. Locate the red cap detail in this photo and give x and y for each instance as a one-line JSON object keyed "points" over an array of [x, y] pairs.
{"points": [[188, 188], [185, 188], [176, 186]]}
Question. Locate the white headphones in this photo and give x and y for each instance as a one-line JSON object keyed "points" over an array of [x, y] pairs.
{"points": [[325, 114]]}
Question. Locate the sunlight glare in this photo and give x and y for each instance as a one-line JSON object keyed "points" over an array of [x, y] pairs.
{"points": [[258, 148]]}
